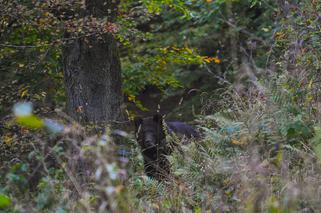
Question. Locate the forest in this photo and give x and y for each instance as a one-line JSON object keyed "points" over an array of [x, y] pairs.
{"points": [[160, 106]]}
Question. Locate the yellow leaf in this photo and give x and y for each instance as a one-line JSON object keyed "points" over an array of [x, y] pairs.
{"points": [[310, 84], [217, 61], [242, 141], [189, 50], [24, 93], [236, 142], [131, 98], [30, 121], [8, 139]]}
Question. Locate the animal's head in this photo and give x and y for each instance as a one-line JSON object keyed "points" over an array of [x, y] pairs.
{"points": [[149, 131]]}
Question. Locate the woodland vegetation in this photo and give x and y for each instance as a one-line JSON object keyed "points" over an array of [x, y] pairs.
{"points": [[245, 73]]}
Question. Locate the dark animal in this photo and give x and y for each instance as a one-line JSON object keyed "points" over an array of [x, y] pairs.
{"points": [[150, 134]]}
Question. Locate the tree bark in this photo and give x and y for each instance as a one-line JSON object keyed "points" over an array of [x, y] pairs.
{"points": [[92, 72]]}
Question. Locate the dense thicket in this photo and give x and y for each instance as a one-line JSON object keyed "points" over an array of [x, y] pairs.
{"points": [[246, 73]]}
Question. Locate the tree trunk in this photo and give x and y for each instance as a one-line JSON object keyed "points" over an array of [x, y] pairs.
{"points": [[92, 72]]}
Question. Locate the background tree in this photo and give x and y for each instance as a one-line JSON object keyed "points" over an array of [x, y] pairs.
{"points": [[92, 69]]}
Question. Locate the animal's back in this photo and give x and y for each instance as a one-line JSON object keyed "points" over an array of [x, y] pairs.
{"points": [[182, 128]]}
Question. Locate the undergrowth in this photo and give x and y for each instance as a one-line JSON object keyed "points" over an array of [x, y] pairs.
{"points": [[260, 149]]}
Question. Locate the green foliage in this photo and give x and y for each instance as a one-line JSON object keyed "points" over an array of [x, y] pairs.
{"points": [[4, 201], [156, 6], [154, 70], [316, 141], [17, 178], [207, 33], [47, 195]]}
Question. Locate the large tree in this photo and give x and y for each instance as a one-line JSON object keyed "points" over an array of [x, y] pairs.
{"points": [[92, 69]]}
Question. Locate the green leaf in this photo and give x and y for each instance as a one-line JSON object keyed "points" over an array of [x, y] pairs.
{"points": [[30, 121], [5, 201], [198, 210]]}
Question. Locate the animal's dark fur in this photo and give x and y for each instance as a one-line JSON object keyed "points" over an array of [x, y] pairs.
{"points": [[182, 128], [150, 135]]}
